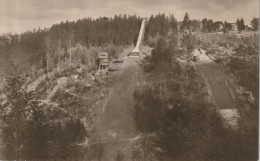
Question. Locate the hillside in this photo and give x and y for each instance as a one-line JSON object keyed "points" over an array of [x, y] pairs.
{"points": [[189, 92]]}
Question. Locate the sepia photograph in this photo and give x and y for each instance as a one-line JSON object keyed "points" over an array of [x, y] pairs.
{"points": [[129, 80]]}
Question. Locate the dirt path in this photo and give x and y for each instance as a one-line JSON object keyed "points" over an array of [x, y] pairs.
{"points": [[115, 123]]}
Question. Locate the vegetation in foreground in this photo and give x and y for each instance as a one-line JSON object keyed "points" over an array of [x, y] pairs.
{"points": [[29, 133], [172, 110], [177, 121]]}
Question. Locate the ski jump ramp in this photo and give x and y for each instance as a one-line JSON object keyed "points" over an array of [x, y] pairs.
{"points": [[136, 52]]}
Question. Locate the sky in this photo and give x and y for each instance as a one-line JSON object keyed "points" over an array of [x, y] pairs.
{"points": [[17, 16]]}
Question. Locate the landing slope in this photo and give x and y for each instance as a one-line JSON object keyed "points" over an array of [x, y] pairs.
{"points": [[217, 81], [115, 125]]}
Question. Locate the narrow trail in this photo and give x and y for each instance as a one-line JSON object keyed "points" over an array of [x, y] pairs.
{"points": [[56, 106], [61, 82], [115, 125], [34, 85]]}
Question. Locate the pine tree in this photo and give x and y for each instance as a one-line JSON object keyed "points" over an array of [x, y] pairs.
{"points": [[238, 24], [227, 27], [119, 156], [35, 139], [14, 115], [173, 24], [185, 22], [242, 24], [205, 25], [255, 23], [80, 131]]}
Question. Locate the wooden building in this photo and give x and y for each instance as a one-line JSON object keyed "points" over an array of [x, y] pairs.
{"points": [[103, 60]]}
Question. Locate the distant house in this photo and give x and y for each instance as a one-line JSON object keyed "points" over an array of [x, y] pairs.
{"points": [[247, 28], [234, 27], [219, 27], [103, 60]]}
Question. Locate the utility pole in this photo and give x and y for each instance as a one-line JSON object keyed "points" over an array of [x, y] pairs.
{"points": [[47, 68], [47, 64], [58, 62], [70, 51]]}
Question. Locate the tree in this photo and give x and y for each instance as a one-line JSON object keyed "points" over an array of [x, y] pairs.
{"points": [[35, 139], [14, 115], [173, 24], [160, 25], [218, 25], [58, 54], [255, 24], [195, 25], [180, 124], [204, 25], [185, 23], [80, 131], [23, 120], [240, 24], [147, 111], [87, 32], [119, 156], [188, 43], [48, 50], [227, 27], [210, 25], [207, 25]]}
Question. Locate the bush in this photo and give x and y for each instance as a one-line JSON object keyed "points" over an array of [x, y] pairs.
{"points": [[218, 60], [247, 73]]}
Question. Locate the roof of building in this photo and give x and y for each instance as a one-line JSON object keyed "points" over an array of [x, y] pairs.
{"points": [[103, 55], [104, 63]]}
